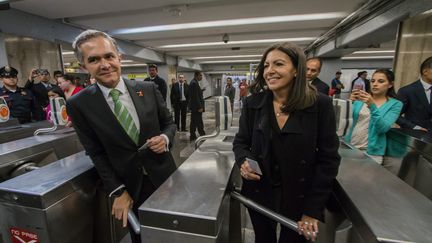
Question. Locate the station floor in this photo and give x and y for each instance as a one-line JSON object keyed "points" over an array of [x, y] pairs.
{"points": [[183, 148]]}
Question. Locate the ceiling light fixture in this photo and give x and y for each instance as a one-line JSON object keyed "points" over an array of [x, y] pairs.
{"points": [[221, 57], [371, 52], [230, 22], [367, 57], [297, 39], [229, 61]]}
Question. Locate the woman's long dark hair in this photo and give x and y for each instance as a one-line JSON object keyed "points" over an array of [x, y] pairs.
{"points": [[390, 77], [301, 94]]}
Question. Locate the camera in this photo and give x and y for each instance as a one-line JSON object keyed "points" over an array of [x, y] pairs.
{"points": [[225, 38]]}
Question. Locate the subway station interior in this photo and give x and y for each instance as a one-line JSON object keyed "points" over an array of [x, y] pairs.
{"points": [[66, 168]]}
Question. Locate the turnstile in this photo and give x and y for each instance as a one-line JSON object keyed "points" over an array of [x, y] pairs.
{"points": [[17, 131]]}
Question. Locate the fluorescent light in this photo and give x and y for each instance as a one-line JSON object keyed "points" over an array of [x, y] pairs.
{"points": [[371, 52], [134, 65], [229, 61], [221, 57], [68, 53], [369, 57], [220, 43], [126, 61], [230, 22]]}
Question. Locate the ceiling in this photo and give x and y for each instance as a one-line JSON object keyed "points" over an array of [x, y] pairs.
{"points": [[250, 25]]}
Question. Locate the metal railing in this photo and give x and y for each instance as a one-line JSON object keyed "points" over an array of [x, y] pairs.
{"points": [[201, 139], [265, 211]]}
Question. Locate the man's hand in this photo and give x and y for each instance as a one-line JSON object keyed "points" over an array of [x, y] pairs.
{"points": [[32, 74], [200, 110], [157, 144], [121, 207]]}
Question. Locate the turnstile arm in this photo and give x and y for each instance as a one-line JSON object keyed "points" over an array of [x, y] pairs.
{"points": [[134, 223]]}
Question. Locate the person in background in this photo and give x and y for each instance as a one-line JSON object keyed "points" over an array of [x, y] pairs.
{"points": [[361, 82], [314, 65], [53, 93], [160, 82], [68, 86], [288, 130], [417, 102], [374, 114], [179, 100], [21, 102], [230, 92], [244, 90], [196, 106], [39, 83], [57, 74], [337, 84]]}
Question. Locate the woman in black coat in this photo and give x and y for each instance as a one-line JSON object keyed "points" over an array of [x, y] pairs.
{"points": [[290, 130]]}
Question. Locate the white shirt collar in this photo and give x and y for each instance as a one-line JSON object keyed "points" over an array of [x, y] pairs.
{"points": [[426, 86], [106, 91]]}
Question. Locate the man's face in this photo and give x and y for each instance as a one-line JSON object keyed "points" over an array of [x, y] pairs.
{"points": [[10, 81], [229, 82], [153, 72], [181, 78], [199, 77], [102, 61], [338, 76], [313, 69], [427, 75], [56, 77], [45, 77]]}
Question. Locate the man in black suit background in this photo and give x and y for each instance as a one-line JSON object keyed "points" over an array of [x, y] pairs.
{"points": [[40, 89], [179, 100], [416, 98], [113, 119], [314, 65], [196, 105], [160, 82]]}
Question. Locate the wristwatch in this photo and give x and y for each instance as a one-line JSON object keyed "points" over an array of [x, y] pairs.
{"points": [[119, 192]]}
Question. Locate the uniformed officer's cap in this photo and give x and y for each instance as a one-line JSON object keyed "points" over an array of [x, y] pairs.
{"points": [[42, 71], [8, 71]]}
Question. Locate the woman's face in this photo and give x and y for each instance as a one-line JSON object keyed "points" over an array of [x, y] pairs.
{"points": [[63, 84], [52, 95], [380, 84], [279, 71]]}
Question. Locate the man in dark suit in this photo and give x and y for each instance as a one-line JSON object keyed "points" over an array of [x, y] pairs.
{"points": [[416, 98], [179, 100], [314, 65], [40, 89], [196, 105], [160, 82], [115, 117]]}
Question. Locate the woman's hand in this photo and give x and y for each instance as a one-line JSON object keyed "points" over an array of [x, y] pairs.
{"points": [[247, 172], [365, 97], [308, 227]]}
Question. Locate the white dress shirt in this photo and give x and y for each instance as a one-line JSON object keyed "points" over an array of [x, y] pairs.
{"points": [[426, 88]]}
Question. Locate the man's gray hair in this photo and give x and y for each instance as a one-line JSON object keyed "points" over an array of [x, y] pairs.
{"points": [[86, 36]]}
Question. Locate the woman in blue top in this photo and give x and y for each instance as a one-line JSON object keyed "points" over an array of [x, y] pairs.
{"points": [[374, 114]]}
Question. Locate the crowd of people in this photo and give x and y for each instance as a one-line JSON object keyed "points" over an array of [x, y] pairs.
{"points": [[287, 126]]}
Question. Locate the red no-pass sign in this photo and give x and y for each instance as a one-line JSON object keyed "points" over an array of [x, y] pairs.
{"points": [[23, 236]]}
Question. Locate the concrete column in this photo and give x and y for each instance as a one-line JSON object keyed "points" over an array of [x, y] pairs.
{"points": [[414, 45]]}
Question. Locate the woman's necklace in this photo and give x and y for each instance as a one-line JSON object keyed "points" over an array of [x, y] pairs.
{"points": [[278, 113]]}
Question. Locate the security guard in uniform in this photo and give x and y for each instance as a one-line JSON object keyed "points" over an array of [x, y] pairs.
{"points": [[21, 102]]}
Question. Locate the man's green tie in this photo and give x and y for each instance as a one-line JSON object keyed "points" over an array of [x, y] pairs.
{"points": [[124, 117]]}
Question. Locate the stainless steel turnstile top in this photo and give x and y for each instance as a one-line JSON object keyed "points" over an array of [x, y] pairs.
{"points": [[190, 199], [380, 205], [42, 187]]}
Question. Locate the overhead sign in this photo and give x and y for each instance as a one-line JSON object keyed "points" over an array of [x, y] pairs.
{"points": [[137, 75], [23, 236]]}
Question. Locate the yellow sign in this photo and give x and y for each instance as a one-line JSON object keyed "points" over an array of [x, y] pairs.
{"points": [[137, 75]]}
